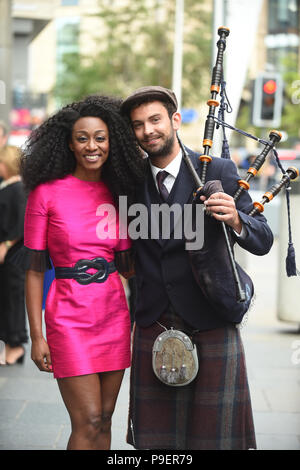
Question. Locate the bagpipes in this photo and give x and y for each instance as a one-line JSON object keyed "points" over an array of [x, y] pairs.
{"points": [[223, 282]]}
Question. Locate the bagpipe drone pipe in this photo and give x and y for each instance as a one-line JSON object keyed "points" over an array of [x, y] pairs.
{"points": [[223, 282]]}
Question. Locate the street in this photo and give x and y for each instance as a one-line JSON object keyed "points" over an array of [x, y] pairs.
{"points": [[32, 415]]}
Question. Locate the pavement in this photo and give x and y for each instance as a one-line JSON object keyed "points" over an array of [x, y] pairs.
{"points": [[33, 417]]}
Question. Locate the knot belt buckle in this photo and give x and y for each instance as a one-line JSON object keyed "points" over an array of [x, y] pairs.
{"points": [[83, 277]]}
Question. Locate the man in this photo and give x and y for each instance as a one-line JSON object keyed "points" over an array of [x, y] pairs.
{"points": [[214, 410]]}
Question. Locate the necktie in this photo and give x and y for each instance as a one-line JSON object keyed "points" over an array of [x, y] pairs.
{"points": [[160, 177]]}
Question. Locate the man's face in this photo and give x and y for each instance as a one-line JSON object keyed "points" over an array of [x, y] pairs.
{"points": [[154, 130]]}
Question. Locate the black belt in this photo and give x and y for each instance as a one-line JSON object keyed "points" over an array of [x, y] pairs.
{"points": [[104, 269]]}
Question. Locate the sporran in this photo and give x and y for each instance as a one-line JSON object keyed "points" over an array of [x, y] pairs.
{"points": [[174, 358]]}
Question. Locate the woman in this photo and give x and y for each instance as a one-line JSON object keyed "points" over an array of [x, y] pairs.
{"points": [[78, 160], [12, 207]]}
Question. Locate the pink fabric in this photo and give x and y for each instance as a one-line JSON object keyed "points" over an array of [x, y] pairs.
{"points": [[87, 327]]}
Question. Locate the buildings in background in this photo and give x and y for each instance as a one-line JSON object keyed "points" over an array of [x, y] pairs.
{"points": [[43, 31], [278, 37]]}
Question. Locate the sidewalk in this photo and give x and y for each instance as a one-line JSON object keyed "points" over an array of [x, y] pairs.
{"points": [[272, 350], [32, 415]]}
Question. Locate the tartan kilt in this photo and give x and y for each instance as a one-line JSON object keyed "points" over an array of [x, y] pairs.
{"points": [[211, 413]]}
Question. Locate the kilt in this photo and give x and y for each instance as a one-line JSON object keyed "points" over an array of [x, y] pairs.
{"points": [[211, 413]]}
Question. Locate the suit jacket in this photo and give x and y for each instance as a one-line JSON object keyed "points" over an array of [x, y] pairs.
{"points": [[163, 271]]}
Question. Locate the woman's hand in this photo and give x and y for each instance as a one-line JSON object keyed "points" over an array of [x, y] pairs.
{"points": [[40, 354], [222, 207], [3, 251]]}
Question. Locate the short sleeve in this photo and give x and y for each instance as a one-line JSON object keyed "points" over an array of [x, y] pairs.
{"points": [[123, 255], [35, 260], [36, 220], [124, 242], [34, 254]]}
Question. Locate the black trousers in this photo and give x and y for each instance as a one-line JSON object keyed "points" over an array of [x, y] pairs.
{"points": [[12, 305]]}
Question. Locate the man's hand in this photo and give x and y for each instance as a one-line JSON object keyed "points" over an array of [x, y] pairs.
{"points": [[222, 207]]}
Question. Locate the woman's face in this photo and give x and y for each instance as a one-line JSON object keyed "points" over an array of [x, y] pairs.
{"points": [[90, 144]]}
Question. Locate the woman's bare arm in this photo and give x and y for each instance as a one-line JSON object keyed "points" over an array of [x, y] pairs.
{"points": [[40, 353]]}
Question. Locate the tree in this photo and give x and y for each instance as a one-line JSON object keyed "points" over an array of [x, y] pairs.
{"points": [[136, 49], [290, 121], [291, 110]]}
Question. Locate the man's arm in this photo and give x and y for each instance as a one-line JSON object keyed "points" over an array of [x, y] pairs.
{"points": [[258, 238]]}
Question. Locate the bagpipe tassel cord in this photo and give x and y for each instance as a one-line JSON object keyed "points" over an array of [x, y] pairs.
{"points": [[290, 262], [224, 106]]}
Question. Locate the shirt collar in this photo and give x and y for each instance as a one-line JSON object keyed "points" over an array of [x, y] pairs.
{"points": [[172, 168]]}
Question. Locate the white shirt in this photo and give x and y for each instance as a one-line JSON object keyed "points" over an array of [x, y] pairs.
{"points": [[173, 170]]}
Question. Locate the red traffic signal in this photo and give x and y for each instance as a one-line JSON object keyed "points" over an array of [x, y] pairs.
{"points": [[267, 100], [270, 87]]}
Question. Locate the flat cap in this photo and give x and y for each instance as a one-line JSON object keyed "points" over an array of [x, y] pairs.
{"points": [[145, 93]]}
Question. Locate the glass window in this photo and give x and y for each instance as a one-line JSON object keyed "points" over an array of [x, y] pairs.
{"points": [[67, 35], [67, 31], [68, 3], [283, 16]]}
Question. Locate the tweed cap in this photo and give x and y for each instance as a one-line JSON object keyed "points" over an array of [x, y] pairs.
{"points": [[156, 92]]}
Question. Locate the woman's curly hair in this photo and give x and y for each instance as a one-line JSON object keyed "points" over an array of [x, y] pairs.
{"points": [[47, 155]]}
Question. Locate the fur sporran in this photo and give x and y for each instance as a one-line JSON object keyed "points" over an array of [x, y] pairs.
{"points": [[174, 358]]}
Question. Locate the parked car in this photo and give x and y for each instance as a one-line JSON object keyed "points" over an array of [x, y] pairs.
{"points": [[289, 157]]}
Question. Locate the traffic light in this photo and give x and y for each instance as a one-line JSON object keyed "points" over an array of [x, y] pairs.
{"points": [[267, 100]]}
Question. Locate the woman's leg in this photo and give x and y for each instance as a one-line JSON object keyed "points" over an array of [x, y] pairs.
{"points": [[90, 401], [110, 387]]}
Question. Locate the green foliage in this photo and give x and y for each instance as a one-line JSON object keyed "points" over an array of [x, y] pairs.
{"points": [[136, 49], [290, 121], [291, 110]]}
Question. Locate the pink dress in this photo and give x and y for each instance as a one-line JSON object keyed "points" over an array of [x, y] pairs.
{"points": [[87, 326]]}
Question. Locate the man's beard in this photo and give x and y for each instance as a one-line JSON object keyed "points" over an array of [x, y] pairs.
{"points": [[164, 150]]}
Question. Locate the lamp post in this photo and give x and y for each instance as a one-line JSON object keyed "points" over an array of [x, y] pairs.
{"points": [[178, 47], [5, 58]]}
